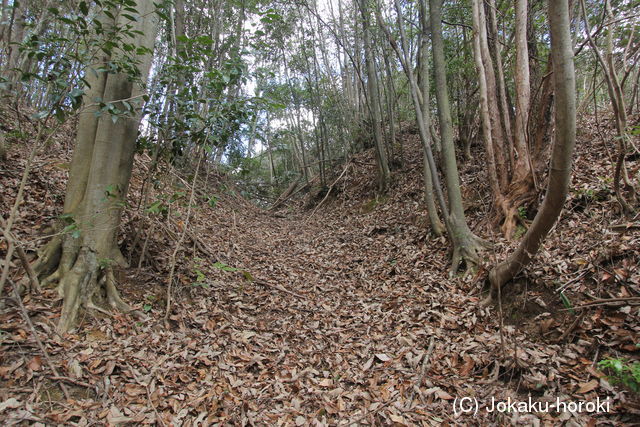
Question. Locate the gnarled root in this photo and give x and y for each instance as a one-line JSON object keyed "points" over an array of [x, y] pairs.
{"points": [[48, 257], [78, 286], [467, 248], [82, 283], [521, 193]]}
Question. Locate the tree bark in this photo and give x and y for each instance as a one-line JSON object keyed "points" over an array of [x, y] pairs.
{"points": [[521, 185], [466, 245], [384, 175], [434, 219], [565, 132], [98, 183]]}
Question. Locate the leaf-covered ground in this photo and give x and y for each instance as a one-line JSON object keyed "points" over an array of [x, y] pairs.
{"points": [[347, 316]]}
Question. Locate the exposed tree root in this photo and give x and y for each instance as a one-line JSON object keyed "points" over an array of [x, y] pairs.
{"points": [[466, 248], [521, 192], [80, 280], [48, 258]]}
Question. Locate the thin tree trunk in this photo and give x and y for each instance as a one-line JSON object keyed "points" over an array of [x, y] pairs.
{"points": [[384, 175], [436, 225]]}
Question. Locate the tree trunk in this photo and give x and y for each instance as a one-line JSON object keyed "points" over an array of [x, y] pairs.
{"points": [[466, 245], [521, 186], [15, 36], [497, 125], [565, 131], [97, 188], [423, 120], [384, 175], [436, 225], [503, 105], [485, 108]]}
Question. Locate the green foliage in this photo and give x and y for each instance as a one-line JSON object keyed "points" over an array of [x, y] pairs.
{"points": [[212, 200], [158, 207], [164, 201], [203, 113], [522, 212], [71, 226], [150, 301], [623, 372], [105, 262], [567, 303], [520, 231], [200, 276], [62, 55], [222, 266]]}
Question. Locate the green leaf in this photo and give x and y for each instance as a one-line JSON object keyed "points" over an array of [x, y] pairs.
{"points": [[222, 266], [567, 303], [84, 8]]}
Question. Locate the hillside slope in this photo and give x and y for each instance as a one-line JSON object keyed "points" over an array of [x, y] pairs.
{"points": [[341, 314]]}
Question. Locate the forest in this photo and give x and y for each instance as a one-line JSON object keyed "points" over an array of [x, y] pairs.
{"points": [[319, 212]]}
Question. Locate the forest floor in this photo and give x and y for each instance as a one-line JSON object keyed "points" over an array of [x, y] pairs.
{"points": [[338, 314]]}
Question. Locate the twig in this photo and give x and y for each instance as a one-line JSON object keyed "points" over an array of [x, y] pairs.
{"points": [[146, 386], [155, 410], [179, 242], [610, 301], [574, 324], [23, 183], [280, 288], [329, 190], [27, 319], [570, 282], [621, 228], [33, 278], [72, 381], [423, 370]]}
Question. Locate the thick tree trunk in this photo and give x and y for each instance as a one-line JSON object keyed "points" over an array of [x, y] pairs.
{"points": [[565, 131], [98, 183]]}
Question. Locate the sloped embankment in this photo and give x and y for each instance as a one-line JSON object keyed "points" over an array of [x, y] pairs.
{"points": [[345, 317]]}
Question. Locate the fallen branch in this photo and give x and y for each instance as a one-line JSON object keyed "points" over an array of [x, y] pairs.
{"points": [[72, 381], [621, 228], [329, 190], [423, 370], [611, 301], [289, 192]]}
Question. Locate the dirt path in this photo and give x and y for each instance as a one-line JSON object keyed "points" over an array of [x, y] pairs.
{"points": [[349, 317]]}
